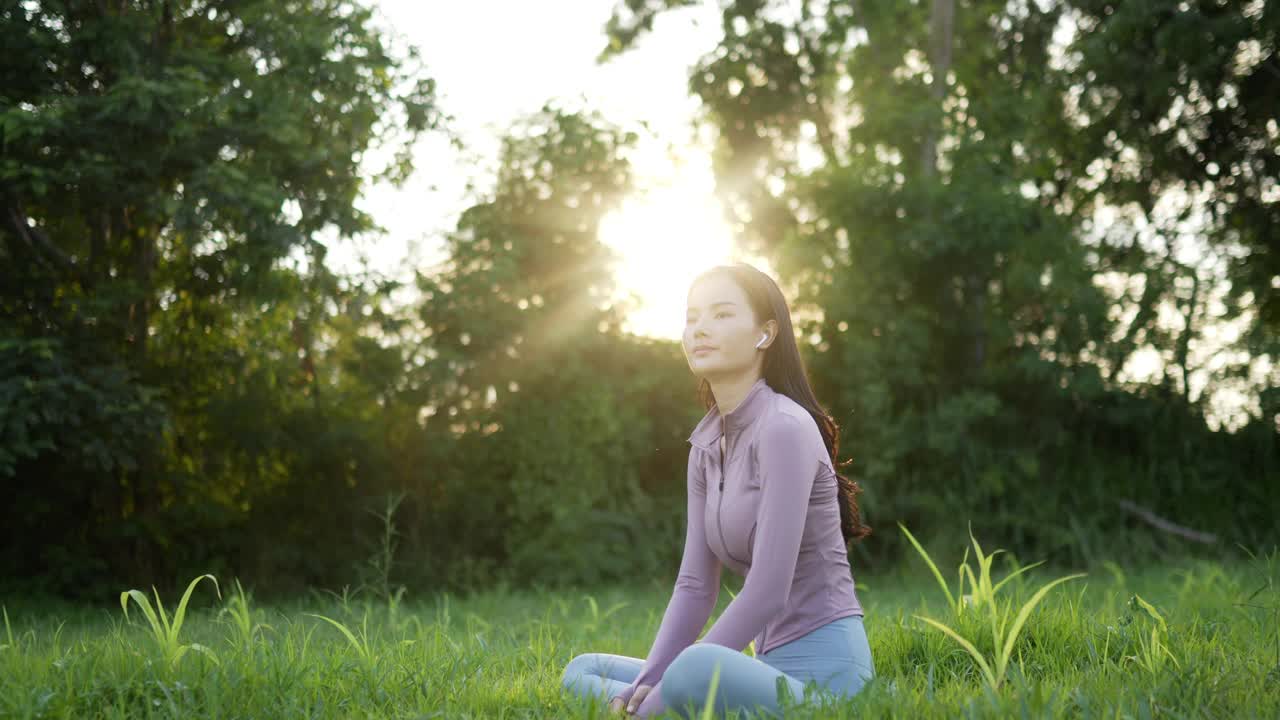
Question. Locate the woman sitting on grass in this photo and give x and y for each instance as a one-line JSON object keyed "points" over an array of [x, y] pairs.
{"points": [[765, 500]]}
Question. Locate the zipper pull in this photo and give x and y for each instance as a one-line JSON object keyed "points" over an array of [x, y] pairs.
{"points": [[721, 483]]}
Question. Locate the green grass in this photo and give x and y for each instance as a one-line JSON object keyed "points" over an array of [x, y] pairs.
{"points": [[1187, 639]]}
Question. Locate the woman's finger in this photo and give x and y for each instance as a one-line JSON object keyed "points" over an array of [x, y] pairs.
{"points": [[638, 697]]}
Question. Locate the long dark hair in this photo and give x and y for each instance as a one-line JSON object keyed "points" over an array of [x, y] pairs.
{"points": [[784, 372]]}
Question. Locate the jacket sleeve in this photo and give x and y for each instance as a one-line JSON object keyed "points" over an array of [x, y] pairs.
{"points": [[788, 466], [696, 589]]}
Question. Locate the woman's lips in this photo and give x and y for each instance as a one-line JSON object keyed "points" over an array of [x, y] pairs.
{"points": [[700, 351]]}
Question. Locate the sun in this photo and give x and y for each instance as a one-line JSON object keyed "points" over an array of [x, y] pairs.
{"points": [[663, 239]]}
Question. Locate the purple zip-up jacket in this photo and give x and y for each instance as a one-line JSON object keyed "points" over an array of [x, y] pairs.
{"points": [[769, 512]]}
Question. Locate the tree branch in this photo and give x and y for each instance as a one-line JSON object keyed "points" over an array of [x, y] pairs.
{"points": [[37, 242], [1167, 526]]}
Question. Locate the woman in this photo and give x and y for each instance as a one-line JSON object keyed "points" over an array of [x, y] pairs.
{"points": [[763, 499]]}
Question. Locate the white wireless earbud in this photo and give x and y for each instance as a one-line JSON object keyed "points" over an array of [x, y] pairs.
{"points": [[762, 339]]}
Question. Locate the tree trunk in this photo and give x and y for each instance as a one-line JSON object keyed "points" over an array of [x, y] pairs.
{"points": [[940, 35], [1184, 341]]}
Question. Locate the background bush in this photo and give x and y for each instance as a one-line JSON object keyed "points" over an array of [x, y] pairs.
{"points": [[186, 387]]}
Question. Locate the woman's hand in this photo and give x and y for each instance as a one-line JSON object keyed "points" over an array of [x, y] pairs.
{"points": [[641, 692]]}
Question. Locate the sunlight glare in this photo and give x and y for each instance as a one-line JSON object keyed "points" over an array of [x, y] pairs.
{"points": [[663, 239]]}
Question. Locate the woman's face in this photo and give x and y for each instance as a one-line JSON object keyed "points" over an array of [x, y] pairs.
{"points": [[720, 330]]}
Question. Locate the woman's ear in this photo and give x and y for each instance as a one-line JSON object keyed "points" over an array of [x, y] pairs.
{"points": [[771, 327]]}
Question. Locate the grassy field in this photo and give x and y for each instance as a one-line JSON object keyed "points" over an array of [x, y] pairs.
{"points": [[1187, 639]]}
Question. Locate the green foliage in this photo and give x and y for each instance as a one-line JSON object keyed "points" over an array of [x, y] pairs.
{"points": [[164, 632], [164, 168], [8, 629], [379, 566], [548, 419], [69, 419], [709, 704], [970, 332], [247, 630], [1004, 626], [1196, 120], [1152, 653], [45, 391], [359, 643], [185, 386], [502, 652]]}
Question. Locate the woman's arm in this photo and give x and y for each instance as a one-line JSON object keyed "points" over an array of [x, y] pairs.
{"points": [[788, 465], [696, 589]]}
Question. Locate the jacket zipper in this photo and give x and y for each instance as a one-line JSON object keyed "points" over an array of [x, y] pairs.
{"points": [[720, 526], [720, 496]]}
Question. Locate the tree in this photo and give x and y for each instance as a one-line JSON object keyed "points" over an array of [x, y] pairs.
{"points": [[1184, 156], [912, 169], [163, 160]]}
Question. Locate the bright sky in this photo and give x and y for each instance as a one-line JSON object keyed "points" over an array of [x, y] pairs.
{"points": [[491, 69], [497, 60]]}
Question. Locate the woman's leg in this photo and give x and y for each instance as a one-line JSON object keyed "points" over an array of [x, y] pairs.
{"points": [[600, 674], [745, 683], [837, 656]]}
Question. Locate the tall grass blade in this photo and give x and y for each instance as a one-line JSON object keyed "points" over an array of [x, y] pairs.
{"points": [[1015, 574], [164, 617], [203, 651], [929, 561], [1025, 612], [1151, 612], [364, 653], [181, 612], [709, 708], [166, 634], [8, 631], [142, 601], [987, 673]]}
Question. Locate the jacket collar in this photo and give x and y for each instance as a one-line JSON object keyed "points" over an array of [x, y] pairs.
{"points": [[708, 430]]}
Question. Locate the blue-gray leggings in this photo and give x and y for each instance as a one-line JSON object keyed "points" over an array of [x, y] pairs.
{"points": [[835, 656]]}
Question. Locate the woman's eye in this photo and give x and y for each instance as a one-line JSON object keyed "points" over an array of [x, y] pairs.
{"points": [[722, 314]]}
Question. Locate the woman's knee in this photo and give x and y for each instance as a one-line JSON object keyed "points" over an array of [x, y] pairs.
{"points": [[576, 667], [689, 675]]}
